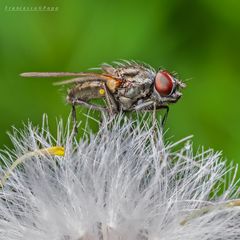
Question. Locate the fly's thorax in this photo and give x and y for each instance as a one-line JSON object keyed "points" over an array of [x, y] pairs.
{"points": [[132, 90], [132, 70]]}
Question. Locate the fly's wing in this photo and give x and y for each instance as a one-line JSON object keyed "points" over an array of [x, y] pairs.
{"points": [[112, 82]]}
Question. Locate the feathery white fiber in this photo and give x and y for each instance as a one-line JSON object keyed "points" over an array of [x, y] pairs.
{"points": [[123, 183]]}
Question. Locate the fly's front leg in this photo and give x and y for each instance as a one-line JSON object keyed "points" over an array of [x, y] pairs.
{"points": [[145, 106], [150, 106], [154, 113], [165, 115], [111, 102], [164, 119]]}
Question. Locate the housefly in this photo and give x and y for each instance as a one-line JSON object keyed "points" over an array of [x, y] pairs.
{"points": [[126, 86]]}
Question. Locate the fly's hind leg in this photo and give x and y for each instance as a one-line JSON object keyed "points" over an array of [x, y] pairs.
{"points": [[74, 119], [89, 105], [71, 100], [104, 111], [76, 101]]}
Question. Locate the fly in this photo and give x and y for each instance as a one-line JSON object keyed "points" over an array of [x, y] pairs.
{"points": [[126, 86]]}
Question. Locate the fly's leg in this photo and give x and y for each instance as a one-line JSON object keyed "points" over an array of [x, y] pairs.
{"points": [[154, 120], [71, 100], [112, 106], [146, 106], [103, 110], [74, 119], [151, 106], [154, 113], [75, 101], [165, 115], [111, 102], [89, 105], [164, 119]]}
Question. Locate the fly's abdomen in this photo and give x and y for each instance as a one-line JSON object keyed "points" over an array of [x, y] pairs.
{"points": [[87, 91]]}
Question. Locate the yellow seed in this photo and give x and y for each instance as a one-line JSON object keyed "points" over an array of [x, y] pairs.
{"points": [[234, 203], [54, 151], [101, 91]]}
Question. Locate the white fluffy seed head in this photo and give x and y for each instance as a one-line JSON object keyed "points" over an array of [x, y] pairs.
{"points": [[122, 183]]}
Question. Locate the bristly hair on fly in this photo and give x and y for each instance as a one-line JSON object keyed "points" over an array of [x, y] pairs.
{"points": [[121, 183]]}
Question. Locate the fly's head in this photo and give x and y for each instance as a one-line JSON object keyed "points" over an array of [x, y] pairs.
{"points": [[166, 88]]}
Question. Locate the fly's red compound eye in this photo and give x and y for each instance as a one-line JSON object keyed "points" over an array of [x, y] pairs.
{"points": [[164, 83]]}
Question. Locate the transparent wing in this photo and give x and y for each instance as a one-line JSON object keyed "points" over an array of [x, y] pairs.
{"points": [[112, 82]]}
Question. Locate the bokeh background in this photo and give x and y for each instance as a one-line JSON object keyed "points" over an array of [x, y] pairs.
{"points": [[198, 39]]}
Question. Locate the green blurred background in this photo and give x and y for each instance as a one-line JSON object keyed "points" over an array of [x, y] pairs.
{"points": [[198, 39]]}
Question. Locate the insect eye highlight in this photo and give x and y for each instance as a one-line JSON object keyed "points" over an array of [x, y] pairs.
{"points": [[164, 83]]}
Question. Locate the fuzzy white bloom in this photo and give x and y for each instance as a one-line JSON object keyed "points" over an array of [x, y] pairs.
{"points": [[123, 183]]}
